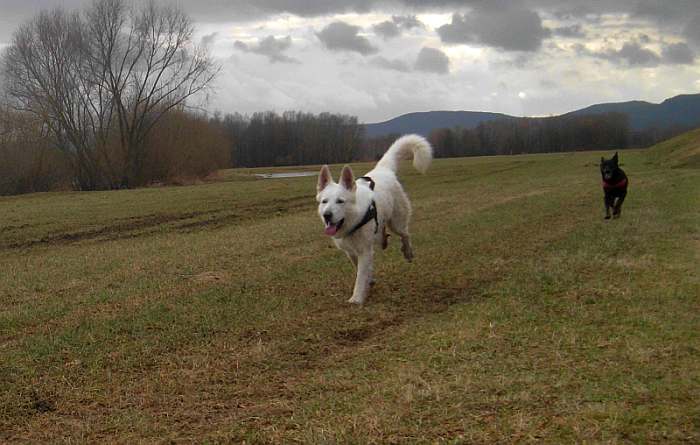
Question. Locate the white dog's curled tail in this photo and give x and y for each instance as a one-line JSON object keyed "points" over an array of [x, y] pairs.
{"points": [[413, 144]]}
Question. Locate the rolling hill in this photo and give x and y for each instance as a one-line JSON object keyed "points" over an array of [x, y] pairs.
{"points": [[682, 151], [682, 110], [425, 122]]}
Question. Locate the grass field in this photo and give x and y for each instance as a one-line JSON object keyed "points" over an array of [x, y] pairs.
{"points": [[216, 313]]}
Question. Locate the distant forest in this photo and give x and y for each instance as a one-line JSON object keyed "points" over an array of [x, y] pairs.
{"points": [[184, 145], [508, 136], [292, 138], [545, 135], [297, 138]]}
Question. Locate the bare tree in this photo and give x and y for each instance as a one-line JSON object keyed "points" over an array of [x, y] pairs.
{"points": [[104, 79], [146, 60], [42, 76]]}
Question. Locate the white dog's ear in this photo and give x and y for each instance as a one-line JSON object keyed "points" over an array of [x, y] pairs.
{"points": [[347, 179], [324, 178]]}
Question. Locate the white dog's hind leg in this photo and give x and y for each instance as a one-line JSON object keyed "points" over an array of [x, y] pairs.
{"points": [[364, 277], [385, 238], [399, 225]]}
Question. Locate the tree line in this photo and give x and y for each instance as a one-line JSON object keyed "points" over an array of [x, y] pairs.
{"points": [[185, 144], [534, 135], [509, 136], [291, 138]]}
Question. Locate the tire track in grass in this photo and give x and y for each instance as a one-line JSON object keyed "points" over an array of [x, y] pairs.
{"points": [[140, 226]]}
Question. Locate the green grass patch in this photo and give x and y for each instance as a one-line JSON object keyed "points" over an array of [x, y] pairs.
{"points": [[682, 151]]}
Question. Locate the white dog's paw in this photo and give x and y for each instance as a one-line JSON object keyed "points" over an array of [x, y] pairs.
{"points": [[356, 300]]}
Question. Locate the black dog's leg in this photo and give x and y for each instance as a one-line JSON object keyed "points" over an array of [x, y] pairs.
{"points": [[617, 209], [609, 199]]}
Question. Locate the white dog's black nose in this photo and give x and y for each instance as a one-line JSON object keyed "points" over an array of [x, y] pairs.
{"points": [[327, 217]]}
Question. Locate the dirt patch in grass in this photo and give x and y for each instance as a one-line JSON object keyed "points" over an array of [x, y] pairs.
{"points": [[126, 228], [355, 335], [145, 225], [41, 404], [210, 277]]}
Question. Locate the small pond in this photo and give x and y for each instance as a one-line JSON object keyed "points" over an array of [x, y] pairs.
{"points": [[284, 175]]}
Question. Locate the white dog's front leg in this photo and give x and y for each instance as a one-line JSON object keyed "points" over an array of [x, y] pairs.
{"points": [[364, 276]]}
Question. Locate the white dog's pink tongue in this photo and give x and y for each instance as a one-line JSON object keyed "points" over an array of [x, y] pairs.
{"points": [[331, 229]]}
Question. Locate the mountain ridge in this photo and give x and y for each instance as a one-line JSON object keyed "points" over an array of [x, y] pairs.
{"points": [[682, 110]]}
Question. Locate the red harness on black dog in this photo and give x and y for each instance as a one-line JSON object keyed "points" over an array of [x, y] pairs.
{"points": [[619, 185]]}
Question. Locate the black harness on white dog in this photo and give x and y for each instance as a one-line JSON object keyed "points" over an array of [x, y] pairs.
{"points": [[368, 179], [370, 214]]}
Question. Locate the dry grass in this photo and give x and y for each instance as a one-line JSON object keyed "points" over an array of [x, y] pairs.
{"points": [[682, 151], [216, 313]]}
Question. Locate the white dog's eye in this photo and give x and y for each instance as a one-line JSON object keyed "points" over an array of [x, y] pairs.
{"points": [[325, 201], [340, 201]]}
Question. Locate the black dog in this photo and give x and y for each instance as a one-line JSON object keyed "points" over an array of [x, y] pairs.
{"points": [[614, 185]]}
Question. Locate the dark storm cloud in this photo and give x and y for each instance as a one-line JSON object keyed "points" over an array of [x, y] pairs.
{"points": [[15, 12], [631, 54], [664, 11], [243, 10], [393, 28], [209, 39], [387, 29], [270, 47], [678, 54], [432, 60], [407, 21], [238, 10], [511, 25], [340, 36], [23, 8], [660, 11], [513, 28], [692, 30]]}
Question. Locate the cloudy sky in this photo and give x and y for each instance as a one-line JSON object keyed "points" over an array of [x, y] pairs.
{"points": [[380, 58]]}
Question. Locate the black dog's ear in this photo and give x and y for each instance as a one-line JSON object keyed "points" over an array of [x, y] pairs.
{"points": [[614, 158], [602, 159]]}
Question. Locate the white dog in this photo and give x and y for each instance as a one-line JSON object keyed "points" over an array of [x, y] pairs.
{"points": [[357, 213]]}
